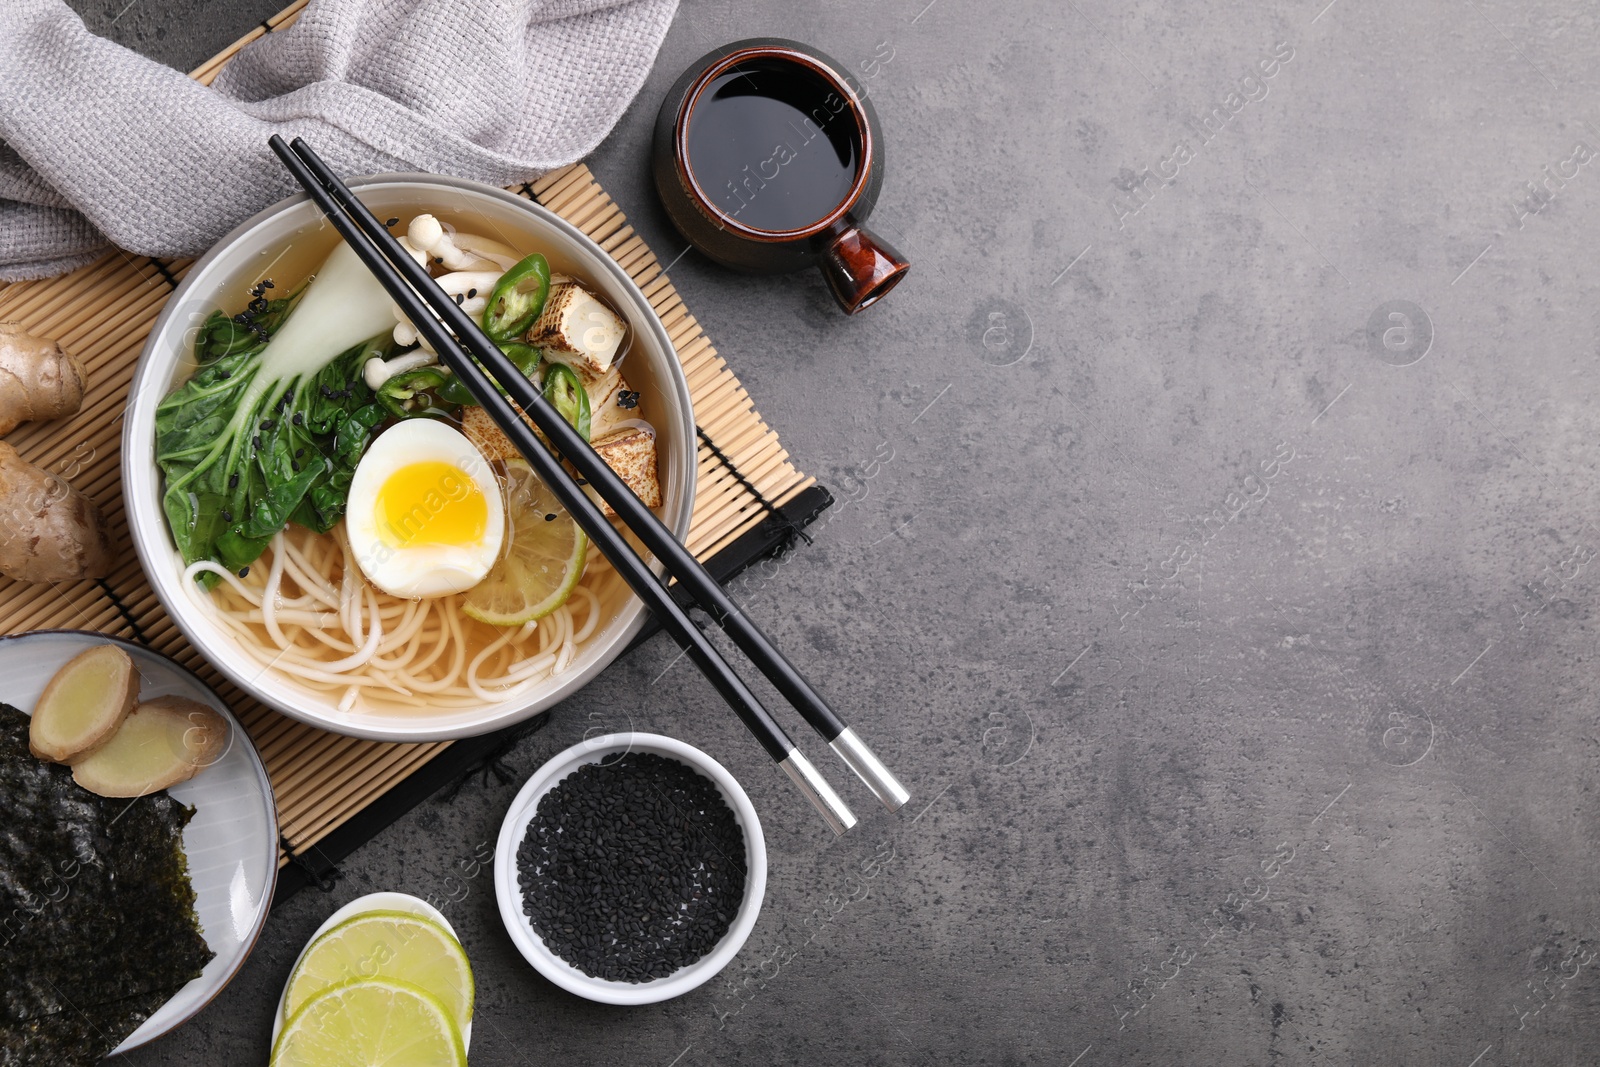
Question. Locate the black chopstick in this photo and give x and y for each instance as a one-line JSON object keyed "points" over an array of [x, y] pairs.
{"points": [[679, 562], [548, 467]]}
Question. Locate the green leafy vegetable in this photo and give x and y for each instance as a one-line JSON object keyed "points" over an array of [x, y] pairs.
{"points": [[241, 460], [268, 431]]}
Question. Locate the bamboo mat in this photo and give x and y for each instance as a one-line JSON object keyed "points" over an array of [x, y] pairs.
{"points": [[103, 314]]}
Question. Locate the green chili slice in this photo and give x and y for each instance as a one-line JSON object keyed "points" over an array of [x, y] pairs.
{"points": [[517, 299], [429, 390], [562, 388], [525, 358], [407, 395], [455, 391]]}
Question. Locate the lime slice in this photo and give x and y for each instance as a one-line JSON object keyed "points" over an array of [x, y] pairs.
{"points": [[385, 944], [542, 560], [367, 1023]]}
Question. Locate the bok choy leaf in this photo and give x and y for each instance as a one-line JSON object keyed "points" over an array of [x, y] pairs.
{"points": [[264, 433]]}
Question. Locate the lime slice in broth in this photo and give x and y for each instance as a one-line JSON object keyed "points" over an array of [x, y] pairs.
{"points": [[542, 560]]}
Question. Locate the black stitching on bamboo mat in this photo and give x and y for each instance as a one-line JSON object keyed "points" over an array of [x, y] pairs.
{"points": [[494, 761], [265, 25], [122, 609], [738, 475], [165, 271], [527, 191], [323, 878]]}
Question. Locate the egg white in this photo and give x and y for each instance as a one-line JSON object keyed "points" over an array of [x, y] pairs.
{"points": [[421, 570]]}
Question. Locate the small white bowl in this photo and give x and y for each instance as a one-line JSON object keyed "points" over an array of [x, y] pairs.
{"points": [[509, 892]]}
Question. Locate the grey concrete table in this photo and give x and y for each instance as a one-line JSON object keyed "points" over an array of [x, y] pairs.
{"points": [[1216, 555]]}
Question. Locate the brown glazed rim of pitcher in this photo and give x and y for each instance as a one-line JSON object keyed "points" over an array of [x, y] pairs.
{"points": [[680, 141]]}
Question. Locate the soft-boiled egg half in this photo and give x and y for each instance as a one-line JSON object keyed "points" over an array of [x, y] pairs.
{"points": [[425, 516]]}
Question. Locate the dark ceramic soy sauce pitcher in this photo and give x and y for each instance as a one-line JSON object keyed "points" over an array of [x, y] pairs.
{"points": [[768, 161]]}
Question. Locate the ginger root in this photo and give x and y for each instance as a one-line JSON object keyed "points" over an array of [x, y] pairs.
{"points": [[49, 532], [38, 379]]}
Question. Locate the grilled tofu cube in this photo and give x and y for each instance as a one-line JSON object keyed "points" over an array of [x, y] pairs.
{"points": [[490, 440], [606, 414], [632, 454], [576, 327]]}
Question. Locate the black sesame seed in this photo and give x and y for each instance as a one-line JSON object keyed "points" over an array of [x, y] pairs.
{"points": [[293, 466], [459, 298], [233, 481], [627, 398], [224, 375], [298, 418], [549, 518], [269, 425], [471, 293], [392, 222], [299, 452], [244, 572], [632, 868], [256, 441], [227, 516]]}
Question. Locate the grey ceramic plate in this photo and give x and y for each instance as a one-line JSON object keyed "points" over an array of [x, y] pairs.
{"points": [[232, 841]]}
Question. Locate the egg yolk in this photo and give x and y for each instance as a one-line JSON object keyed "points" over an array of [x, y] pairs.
{"points": [[431, 503]]}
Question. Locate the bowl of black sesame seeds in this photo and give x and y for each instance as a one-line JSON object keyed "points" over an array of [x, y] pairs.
{"points": [[630, 868]]}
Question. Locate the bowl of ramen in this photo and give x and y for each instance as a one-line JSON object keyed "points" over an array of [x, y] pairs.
{"points": [[332, 521]]}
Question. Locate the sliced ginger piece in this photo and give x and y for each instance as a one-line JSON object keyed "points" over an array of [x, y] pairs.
{"points": [[84, 704], [165, 741]]}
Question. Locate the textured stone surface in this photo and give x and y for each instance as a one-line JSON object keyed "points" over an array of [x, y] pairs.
{"points": [[1241, 675]]}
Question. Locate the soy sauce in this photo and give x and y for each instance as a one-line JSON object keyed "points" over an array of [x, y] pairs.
{"points": [[773, 146]]}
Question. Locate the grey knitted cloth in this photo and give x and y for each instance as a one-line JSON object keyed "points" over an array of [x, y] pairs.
{"points": [[98, 144]]}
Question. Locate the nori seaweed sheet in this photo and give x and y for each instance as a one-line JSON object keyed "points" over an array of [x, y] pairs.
{"points": [[97, 922], [74, 1038]]}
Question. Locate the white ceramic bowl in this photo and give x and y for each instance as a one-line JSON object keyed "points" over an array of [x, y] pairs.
{"points": [[509, 892], [295, 235]]}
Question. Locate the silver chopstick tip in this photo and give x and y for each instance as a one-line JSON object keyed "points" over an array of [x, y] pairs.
{"points": [[870, 769], [817, 790]]}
